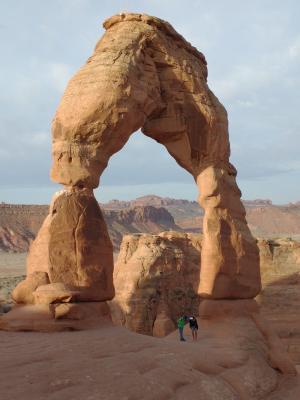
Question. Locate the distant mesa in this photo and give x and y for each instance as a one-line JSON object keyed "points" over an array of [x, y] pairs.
{"points": [[19, 223]]}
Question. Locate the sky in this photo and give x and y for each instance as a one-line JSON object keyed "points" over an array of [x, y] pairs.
{"points": [[253, 54]]}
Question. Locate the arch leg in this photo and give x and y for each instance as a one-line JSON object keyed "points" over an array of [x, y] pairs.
{"points": [[230, 256]]}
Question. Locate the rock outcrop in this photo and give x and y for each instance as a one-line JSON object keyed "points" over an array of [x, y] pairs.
{"points": [[156, 280], [280, 296], [229, 257], [143, 75], [73, 247]]}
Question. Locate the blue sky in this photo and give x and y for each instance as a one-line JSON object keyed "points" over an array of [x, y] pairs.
{"points": [[253, 54]]}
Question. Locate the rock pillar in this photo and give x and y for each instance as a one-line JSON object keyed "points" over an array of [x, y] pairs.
{"points": [[73, 248], [230, 256]]}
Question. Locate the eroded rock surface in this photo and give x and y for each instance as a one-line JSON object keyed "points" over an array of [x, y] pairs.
{"points": [[148, 301], [143, 74], [230, 361], [73, 248], [280, 297], [230, 256], [156, 277]]}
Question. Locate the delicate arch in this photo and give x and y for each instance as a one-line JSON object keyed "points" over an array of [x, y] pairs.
{"points": [[142, 74]]}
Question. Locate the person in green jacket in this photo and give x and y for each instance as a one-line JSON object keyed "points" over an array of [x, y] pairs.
{"points": [[180, 324]]}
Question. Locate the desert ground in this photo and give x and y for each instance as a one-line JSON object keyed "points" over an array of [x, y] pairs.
{"points": [[12, 271]]}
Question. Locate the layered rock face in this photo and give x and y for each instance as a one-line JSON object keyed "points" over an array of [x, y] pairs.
{"points": [[146, 219], [19, 225]]}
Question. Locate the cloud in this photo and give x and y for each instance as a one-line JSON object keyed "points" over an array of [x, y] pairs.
{"points": [[294, 48]]}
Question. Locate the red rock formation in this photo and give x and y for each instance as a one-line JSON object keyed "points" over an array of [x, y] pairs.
{"points": [[156, 278], [148, 301], [142, 74]]}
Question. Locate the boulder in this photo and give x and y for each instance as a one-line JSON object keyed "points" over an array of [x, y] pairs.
{"points": [[23, 292], [163, 325], [55, 293], [81, 311]]}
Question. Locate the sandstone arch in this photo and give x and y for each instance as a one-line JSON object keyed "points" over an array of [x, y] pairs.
{"points": [[142, 75]]}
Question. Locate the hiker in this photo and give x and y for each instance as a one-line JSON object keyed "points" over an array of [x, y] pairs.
{"points": [[180, 324], [194, 327]]}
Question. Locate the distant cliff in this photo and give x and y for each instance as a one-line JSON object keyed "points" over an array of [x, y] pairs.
{"points": [[19, 224], [147, 219], [264, 218]]}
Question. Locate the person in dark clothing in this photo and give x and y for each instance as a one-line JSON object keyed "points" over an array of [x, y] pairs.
{"points": [[194, 327]]}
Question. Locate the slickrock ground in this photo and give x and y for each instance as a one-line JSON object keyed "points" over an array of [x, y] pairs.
{"points": [[110, 363]]}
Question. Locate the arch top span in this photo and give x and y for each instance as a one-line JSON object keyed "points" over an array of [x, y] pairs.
{"points": [[142, 75], [161, 25]]}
